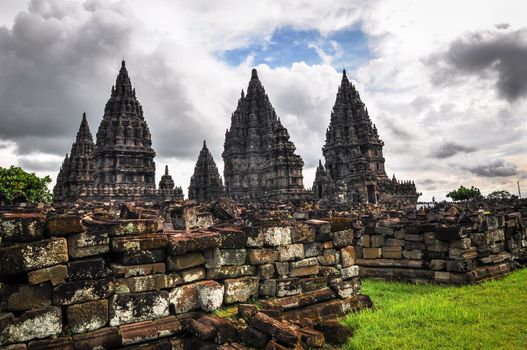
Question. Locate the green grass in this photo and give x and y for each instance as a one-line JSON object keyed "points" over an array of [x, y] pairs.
{"points": [[492, 315]]}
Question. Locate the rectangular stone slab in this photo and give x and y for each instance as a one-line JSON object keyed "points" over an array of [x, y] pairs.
{"points": [[34, 324], [82, 291], [33, 256]]}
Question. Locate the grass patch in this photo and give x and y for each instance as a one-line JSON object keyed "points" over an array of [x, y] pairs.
{"points": [[491, 315]]}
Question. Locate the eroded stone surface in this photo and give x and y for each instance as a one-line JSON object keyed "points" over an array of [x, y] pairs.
{"points": [[34, 324], [33, 256], [136, 307]]}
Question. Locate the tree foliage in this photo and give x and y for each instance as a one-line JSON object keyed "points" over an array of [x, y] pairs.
{"points": [[464, 193], [499, 195], [18, 186]]}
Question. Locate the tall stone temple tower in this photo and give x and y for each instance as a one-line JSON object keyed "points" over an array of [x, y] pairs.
{"points": [[77, 169], [120, 166], [354, 163], [205, 183], [260, 160]]}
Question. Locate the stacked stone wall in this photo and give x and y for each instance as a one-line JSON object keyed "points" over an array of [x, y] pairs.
{"points": [[84, 279]]}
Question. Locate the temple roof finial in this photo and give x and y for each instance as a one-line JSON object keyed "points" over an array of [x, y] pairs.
{"points": [[123, 63], [166, 170], [204, 144], [344, 73], [254, 74]]}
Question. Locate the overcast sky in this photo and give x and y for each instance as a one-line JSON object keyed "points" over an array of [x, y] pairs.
{"points": [[444, 81]]}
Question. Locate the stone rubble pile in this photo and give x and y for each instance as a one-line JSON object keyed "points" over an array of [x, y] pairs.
{"points": [[112, 278]]}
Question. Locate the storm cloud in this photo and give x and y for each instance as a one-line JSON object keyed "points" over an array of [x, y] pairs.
{"points": [[496, 168], [502, 51], [450, 149]]}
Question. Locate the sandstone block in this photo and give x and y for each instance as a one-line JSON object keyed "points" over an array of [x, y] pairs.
{"points": [[125, 227], [81, 291], [193, 274], [255, 236], [60, 225], [313, 283], [312, 338], [377, 241], [413, 254], [210, 295], [184, 242], [218, 257], [392, 252], [303, 233], [267, 288], [181, 262], [291, 252], [312, 249], [347, 288], [348, 256], [231, 237], [30, 297], [168, 326], [61, 343], [334, 332], [143, 283], [129, 244], [342, 238], [88, 316], [55, 274], [437, 265], [329, 257], [224, 329], [234, 271], [282, 268], [136, 307], [277, 235], [276, 329], [33, 324], [262, 256], [87, 269], [139, 332], [88, 244], [21, 227], [240, 289], [371, 253], [33, 256], [288, 286], [265, 271], [137, 270], [254, 337], [185, 298], [104, 338], [350, 272], [142, 257], [304, 271]]}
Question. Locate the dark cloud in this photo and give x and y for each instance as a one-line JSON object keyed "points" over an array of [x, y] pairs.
{"points": [[496, 168], [450, 149], [502, 51], [36, 164]]}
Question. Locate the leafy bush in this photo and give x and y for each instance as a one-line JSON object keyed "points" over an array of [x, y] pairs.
{"points": [[463, 194], [499, 195], [18, 186]]}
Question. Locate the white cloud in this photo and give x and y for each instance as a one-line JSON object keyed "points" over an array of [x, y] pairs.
{"points": [[62, 57]]}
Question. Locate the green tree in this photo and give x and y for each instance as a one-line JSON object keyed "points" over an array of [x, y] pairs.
{"points": [[464, 193], [18, 186], [499, 195]]}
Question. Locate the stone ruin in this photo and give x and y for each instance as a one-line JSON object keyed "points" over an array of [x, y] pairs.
{"points": [[205, 183], [354, 163], [120, 166], [123, 277]]}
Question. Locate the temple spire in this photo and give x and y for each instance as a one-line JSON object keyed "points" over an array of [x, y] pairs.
{"points": [[254, 74], [166, 170]]}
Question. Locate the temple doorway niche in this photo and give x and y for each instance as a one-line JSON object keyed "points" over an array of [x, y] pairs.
{"points": [[371, 194]]}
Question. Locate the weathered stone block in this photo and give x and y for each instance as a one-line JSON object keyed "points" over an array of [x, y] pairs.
{"points": [[193, 274], [267, 288], [393, 242], [234, 271], [312, 249], [181, 262], [254, 337], [240, 289], [129, 244], [139, 332], [291, 252], [276, 329], [225, 331], [255, 236], [137, 270], [413, 254], [265, 271], [392, 252], [55, 274], [184, 242], [262, 256], [185, 298], [304, 271], [61, 343], [168, 326], [231, 237], [282, 268], [303, 233], [136, 307], [81, 291], [30, 297], [210, 295], [329, 257], [125, 227], [313, 283], [104, 338], [448, 233], [342, 238], [348, 256], [350, 272], [142, 283], [376, 241], [277, 235], [437, 265], [87, 269], [85, 244], [88, 316], [288, 286], [371, 253], [21, 227], [347, 288], [142, 257], [59, 225], [33, 324], [218, 257], [312, 338], [33, 256]]}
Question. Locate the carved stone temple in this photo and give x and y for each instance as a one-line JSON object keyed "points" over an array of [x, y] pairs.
{"points": [[205, 183], [354, 164], [260, 160], [121, 165]]}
